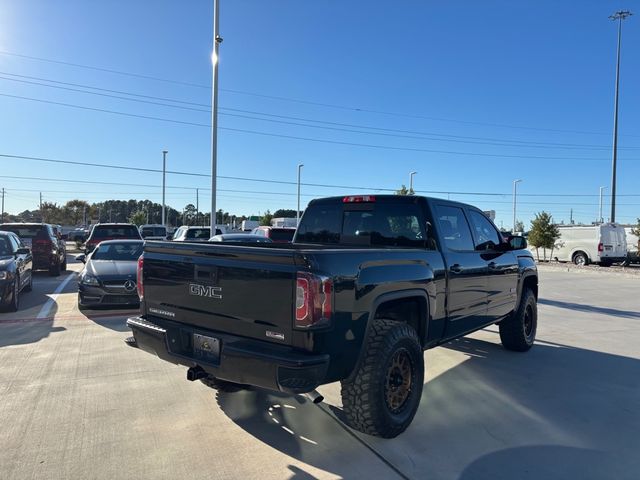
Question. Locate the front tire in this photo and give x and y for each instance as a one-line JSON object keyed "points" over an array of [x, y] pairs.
{"points": [[54, 271], [518, 332], [29, 286], [581, 259], [15, 301], [383, 396]]}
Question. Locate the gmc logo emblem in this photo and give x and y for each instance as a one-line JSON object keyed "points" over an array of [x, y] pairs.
{"points": [[204, 291]]}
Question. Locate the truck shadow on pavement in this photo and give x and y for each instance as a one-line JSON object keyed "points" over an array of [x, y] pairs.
{"points": [[590, 308], [555, 412]]}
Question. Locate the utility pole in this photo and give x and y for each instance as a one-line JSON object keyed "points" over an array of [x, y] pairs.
{"points": [[84, 215], [515, 184], [600, 219], [411, 174], [164, 173], [619, 16], [111, 215], [2, 221], [41, 212], [197, 204], [217, 40], [571, 217], [300, 165]]}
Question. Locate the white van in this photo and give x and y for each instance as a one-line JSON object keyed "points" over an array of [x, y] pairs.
{"points": [[604, 244], [153, 232]]}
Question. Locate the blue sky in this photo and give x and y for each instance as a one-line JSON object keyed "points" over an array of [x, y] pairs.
{"points": [[464, 93]]}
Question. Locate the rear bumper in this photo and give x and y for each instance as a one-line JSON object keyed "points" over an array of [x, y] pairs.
{"points": [[611, 259], [241, 360]]}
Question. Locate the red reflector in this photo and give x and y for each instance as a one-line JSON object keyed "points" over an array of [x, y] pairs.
{"points": [[139, 279], [42, 242], [359, 199], [600, 247]]}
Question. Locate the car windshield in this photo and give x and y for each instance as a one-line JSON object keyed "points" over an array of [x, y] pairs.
{"points": [[129, 251], [154, 232], [5, 248], [199, 233], [125, 231], [24, 231], [282, 234]]}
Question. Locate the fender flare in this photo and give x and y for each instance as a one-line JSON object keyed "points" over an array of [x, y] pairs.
{"points": [[386, 297]]}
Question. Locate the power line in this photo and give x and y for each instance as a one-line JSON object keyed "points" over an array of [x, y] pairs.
{"points": [[300, 101]]}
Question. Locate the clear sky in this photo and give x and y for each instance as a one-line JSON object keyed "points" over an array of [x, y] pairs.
{"points": [[471, 95]]}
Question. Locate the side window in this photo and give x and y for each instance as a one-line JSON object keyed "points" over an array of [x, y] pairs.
{"points": [[485, 234], [454, 228], [15, 243]]}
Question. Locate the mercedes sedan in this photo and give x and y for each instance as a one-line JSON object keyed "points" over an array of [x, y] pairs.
{"points": [[109, 276]]}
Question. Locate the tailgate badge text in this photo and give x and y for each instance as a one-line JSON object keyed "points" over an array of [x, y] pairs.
{"points": [[205, 291]]}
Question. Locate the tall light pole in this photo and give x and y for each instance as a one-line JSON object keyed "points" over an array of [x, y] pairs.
{"points": [[619, 16], [515, 184], [600, 219], [411, 182], [217, 40], [164, 174], [300, 165]]}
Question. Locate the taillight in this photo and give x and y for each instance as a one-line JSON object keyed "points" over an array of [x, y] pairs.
{"points": [[314, 300], [140, 281], [359, 199], [600, 247], [43, 242]]}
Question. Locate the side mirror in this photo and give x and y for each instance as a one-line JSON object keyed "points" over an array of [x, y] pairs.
{"points": [[23, 251], [81, 258], [517, 242]]}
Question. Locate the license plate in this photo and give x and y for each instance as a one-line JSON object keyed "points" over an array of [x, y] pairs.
{"points": [[608, 247], [206, 348]]}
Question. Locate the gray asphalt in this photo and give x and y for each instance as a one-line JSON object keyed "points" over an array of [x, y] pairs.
{"points": [[76, 402]]}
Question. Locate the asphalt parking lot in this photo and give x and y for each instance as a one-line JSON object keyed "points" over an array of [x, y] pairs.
{"points": [[78, 403]]}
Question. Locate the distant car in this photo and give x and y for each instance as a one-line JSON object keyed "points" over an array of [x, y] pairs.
{"points": [[153, 232], [111, 231], [276, 234], [109, 276], [240, 237], [196, 234], [15, 270], [48, 251], [77, 235]]}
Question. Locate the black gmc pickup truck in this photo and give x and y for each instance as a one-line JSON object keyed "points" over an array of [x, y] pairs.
{"points": [[368, 284]]}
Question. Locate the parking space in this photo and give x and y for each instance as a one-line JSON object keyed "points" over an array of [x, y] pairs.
{"points": [[78, 403]]}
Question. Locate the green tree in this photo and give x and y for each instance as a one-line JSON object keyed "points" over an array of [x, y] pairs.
{"points": [[405, 191], [543, 233], [266, 219], [74, 210], [519, 226], [285, 213], [138, 218]]}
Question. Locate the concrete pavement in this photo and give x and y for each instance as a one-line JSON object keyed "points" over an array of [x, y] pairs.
{"points": [[78, 403]]}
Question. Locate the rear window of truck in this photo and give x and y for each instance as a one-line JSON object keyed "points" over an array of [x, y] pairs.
{"points": [[115, 232], [390, 225]]}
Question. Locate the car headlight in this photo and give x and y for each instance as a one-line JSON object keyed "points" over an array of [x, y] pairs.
{"points": [[4, 275], [90, 280]]}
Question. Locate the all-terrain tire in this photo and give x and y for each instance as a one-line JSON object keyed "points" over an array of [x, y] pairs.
{"points": [[518, 331], [369, 396], [222, 385]]}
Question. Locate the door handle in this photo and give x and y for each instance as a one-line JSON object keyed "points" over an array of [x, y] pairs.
{"points": [[455, 268]]}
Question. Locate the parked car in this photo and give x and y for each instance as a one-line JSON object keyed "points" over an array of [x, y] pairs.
{"points": [[368, 284], [196, 234], [240, 237], [153, 232], [276, 234], [603, 244], [15, 270], [633, 247], [47, 249], [109, 275], [111, 231], [77, 235]]}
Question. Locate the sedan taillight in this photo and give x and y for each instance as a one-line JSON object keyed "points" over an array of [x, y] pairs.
{"points": [[314, 300], [140, 281]]}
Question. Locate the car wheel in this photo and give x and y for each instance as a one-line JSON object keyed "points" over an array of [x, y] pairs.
{"points": [[15, 302], [81, 307], [29, 285], [54, 271], [580, 258], [64, 264], [222, 385], [518, 331], [383, 396]]}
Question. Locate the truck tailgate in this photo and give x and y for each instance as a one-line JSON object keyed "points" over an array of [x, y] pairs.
{"points": [[245, 291]]}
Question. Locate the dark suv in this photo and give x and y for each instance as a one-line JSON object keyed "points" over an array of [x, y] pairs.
{"points": [[111, 231], [48, 249]]}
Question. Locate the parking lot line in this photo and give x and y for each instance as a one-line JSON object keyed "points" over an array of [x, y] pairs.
{"points": [[44, 311]]}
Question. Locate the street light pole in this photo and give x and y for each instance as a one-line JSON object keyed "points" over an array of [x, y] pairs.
{"points": [[619, 15], [411, 182], [164, 172], [300, 165], [515, 184], [217, 40], [600, 219]]}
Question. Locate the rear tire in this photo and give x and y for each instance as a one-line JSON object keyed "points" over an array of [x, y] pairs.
{"points": [[64, 265], [54, 271], [518, 332], [222, 385], [580, 258], [383, 396]]}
